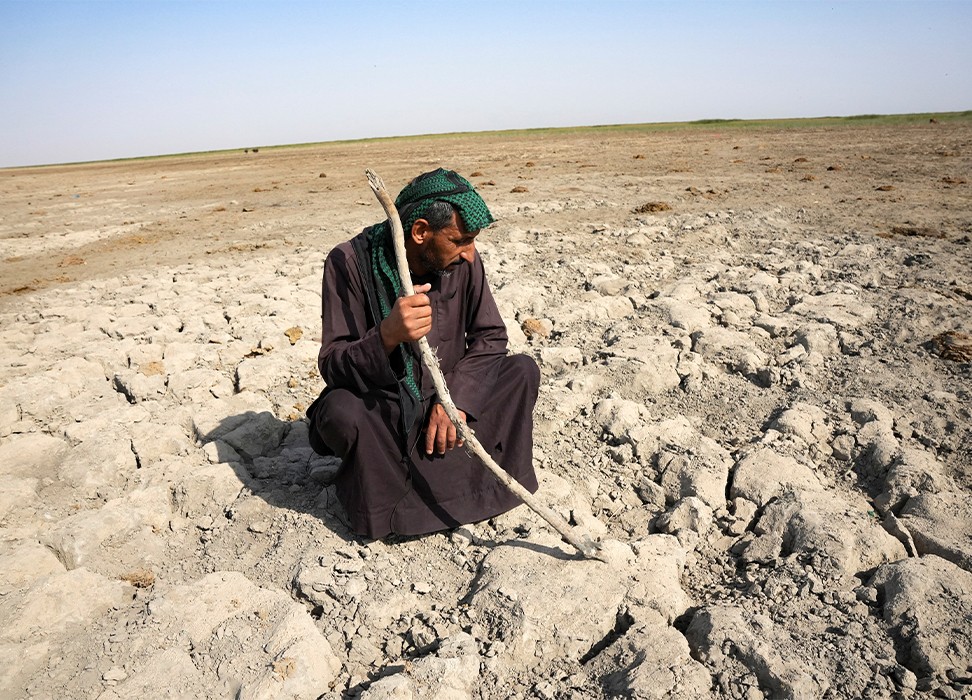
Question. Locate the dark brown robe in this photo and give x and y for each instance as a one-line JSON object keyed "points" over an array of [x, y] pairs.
{"points": [[386, 483]]}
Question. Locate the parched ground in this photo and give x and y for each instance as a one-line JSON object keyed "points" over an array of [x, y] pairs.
{"points": [[756, 349]]}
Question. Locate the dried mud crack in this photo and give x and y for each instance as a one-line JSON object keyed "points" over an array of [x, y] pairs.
{"points": [[757, 396]]}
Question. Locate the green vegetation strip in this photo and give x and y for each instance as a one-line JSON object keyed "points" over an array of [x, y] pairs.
{"points": [[858, 120], [707, 124]]}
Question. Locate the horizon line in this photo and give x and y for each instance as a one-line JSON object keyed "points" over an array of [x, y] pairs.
{"points": [[730, 121]]}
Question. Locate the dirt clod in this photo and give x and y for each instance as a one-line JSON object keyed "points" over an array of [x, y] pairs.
{"points": [[140, 578], [294, 334], [953, 345], [652, 208], [921, 231]]}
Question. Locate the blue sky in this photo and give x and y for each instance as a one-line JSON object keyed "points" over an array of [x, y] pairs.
{"points": [[93, 80]]}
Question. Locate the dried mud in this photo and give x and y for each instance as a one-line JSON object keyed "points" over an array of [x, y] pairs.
{"points": [[756, 393]]}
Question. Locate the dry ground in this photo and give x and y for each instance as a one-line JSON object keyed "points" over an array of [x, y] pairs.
{"points": [[755, 349]]}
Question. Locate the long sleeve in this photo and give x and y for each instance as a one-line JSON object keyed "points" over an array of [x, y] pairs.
{"points": [[473, 377], [352, 355]]}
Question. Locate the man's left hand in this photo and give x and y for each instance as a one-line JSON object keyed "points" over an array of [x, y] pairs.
{"points": [[440, 433]]}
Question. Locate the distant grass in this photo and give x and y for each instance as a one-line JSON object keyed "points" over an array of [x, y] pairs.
{"points": [[856, 120], [699, 124]]}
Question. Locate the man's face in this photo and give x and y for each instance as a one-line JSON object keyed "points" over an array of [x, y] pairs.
{"points": [[448, 247]]}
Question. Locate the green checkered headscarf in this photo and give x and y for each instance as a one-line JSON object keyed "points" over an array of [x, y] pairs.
{"points": [[412, 204], [442, 186]]}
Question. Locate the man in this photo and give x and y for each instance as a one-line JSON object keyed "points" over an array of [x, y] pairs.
{"points": [[400, 471]]}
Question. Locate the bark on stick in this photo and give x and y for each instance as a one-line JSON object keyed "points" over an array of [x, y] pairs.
{"points": [[581, 542]]}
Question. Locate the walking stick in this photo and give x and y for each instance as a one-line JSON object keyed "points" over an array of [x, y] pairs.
{"points": [[582, 543]]}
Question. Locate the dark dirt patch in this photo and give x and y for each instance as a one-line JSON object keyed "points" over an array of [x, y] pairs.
{"points": [[652, 208]]}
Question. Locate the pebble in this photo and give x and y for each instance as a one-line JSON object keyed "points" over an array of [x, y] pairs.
{"points": [[843, 447], [421, 635], [867, 595], [115, 675], [904, 677], [462, 537]]}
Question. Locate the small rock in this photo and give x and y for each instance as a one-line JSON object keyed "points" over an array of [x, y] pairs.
{"points": [[865, 410], [689, 513], [422, 636], [762, 550], [536, 327], [619, 416], [114, 674], [650, 493], [762, 474], [743, 510], [904, 677], [843, 447], [462, 537], [867, 595], [950, 693], [137, 387]]}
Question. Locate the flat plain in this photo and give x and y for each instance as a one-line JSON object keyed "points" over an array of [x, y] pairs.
{"points": [[756, 346]]}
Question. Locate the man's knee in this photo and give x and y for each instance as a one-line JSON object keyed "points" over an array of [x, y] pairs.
{"points": [[337, 419], [523, 371]]}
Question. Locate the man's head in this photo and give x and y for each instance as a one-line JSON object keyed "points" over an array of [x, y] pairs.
{"points": [[441, 215], [440, 242]]}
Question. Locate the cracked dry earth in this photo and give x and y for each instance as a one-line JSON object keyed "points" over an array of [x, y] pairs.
{"points": [[755, 351]]}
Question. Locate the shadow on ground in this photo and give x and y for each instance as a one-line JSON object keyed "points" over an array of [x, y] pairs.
{"points": [[274, 461]]}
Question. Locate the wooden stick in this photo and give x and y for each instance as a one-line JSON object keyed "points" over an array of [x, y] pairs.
{"points": [[582, 543]]}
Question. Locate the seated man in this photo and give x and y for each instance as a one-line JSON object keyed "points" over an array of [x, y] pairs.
{"points": [[400, 472]]}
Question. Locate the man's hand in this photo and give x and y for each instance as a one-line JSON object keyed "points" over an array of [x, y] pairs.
{"points": [[440, 433], [409, 320]]}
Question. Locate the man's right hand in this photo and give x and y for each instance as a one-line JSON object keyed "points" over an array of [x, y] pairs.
{"points": [[409, 320]]}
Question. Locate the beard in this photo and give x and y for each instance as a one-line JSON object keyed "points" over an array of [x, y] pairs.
{"points": [[433, 265]]}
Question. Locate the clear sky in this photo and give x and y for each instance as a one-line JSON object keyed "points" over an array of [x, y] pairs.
{"points": [[89, 80]]}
